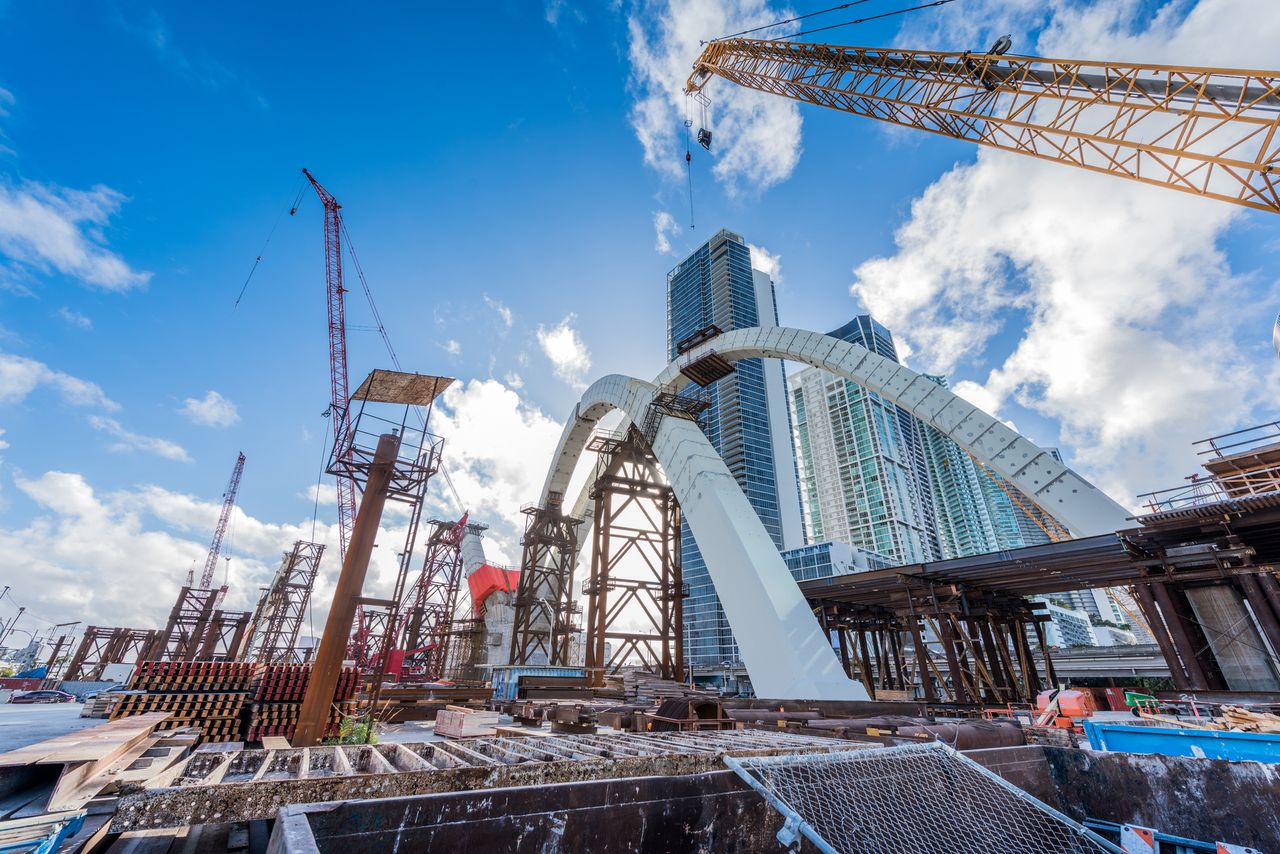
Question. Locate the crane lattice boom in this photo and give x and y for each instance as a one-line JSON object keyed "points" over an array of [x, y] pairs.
{"points": [[337, 352], [1211, 132], [228, 504]]}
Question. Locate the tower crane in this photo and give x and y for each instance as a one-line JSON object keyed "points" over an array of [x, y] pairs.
{"points": [[1211, 132], [338, 395], [215, 547]]}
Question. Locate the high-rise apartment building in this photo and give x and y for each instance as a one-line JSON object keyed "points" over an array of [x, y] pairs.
{"points": [[863, 469], [748, 421]]}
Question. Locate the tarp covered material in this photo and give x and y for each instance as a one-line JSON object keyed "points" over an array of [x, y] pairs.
{"points": [[489, 579], [399, 387]]}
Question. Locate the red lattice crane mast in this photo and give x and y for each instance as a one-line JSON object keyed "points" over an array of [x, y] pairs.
{"points": [[339, 397], [228, 504]]}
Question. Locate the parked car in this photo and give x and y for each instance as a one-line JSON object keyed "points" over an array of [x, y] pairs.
{"points": [[43, 697], [110, 689]]}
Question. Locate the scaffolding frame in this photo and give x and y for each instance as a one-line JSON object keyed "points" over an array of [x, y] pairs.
{"points": [[104, 645], [277, 621], [635, 565], [544, 606]]}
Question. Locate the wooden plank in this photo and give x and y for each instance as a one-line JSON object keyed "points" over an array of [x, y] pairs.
{"points": [[86, 745], [275, 742]]}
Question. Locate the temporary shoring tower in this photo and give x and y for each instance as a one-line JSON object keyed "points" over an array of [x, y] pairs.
{"points": [[635, 564], [543, 602], [101, 646], [273, 632], [391, 460], [1211, 132], [428, 606]]}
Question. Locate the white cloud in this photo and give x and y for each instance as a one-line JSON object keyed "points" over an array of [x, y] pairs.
{"points": [[664, 227], [513, 380], [3, 443], [75, 318], [20, 376], [130, 441], [324, 493], [46, 227], [212, 410], [757, 136], [119, 558], [452, 347], [766, 262], [505, 313], [553, 10], [1132, 342], [497, 448], [568, 354]]}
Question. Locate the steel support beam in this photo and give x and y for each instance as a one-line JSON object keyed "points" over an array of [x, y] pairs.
{"points": [[313, 718]]}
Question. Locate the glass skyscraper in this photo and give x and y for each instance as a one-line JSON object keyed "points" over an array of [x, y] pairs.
{"points": [[863, 468], [748, 421]]}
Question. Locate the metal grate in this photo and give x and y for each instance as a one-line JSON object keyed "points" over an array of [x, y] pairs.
{"points": [[924, 797]]}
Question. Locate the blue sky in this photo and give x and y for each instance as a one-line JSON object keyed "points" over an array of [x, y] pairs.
{"points": [[503, 205]]}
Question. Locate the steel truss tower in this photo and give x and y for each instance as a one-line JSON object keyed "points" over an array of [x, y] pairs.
{"points": [[635, 564], [544, 604], [429, 604], [273, 632], [110, 645], [198, 630]]}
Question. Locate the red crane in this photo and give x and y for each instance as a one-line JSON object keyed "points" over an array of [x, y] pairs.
{"points": [[228, 504], [337, 350]]}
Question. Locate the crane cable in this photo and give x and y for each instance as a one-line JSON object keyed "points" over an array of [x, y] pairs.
{"points": [[790, 20], [391, 351], [868, 18], [688, 155], [292, 209]]}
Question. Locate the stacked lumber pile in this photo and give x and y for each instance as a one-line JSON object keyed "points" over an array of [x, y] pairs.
{"points": [[205, 694], [277, 691], [101, 705], [647, 689], [461, 722], [1243, 720]]}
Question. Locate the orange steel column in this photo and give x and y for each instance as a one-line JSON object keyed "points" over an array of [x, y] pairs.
{"points": [[313, 718]]}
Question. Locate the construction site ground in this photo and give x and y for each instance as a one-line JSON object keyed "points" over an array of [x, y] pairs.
{"points": [[21, 725]]}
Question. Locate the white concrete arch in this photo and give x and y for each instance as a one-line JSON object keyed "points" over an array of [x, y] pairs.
{"points": [[1082, 508], [780, 642]]}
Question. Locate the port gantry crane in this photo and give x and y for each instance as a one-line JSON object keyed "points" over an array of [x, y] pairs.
{"points": [[1212, 132]]}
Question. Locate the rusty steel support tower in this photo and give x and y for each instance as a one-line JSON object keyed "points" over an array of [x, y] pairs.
{"points": [[101, 646], [635, 564], [429, 604], [277, 621], [544, 605]]}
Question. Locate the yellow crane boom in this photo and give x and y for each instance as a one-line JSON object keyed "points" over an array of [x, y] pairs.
{"points": [[1211, 132]]}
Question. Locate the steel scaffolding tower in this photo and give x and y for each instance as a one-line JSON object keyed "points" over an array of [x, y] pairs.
{"points": [[277, 621], [544, 601], [635, 564]]}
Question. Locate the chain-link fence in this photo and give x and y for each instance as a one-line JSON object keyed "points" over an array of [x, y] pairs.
{"points": [[915, 798]]}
